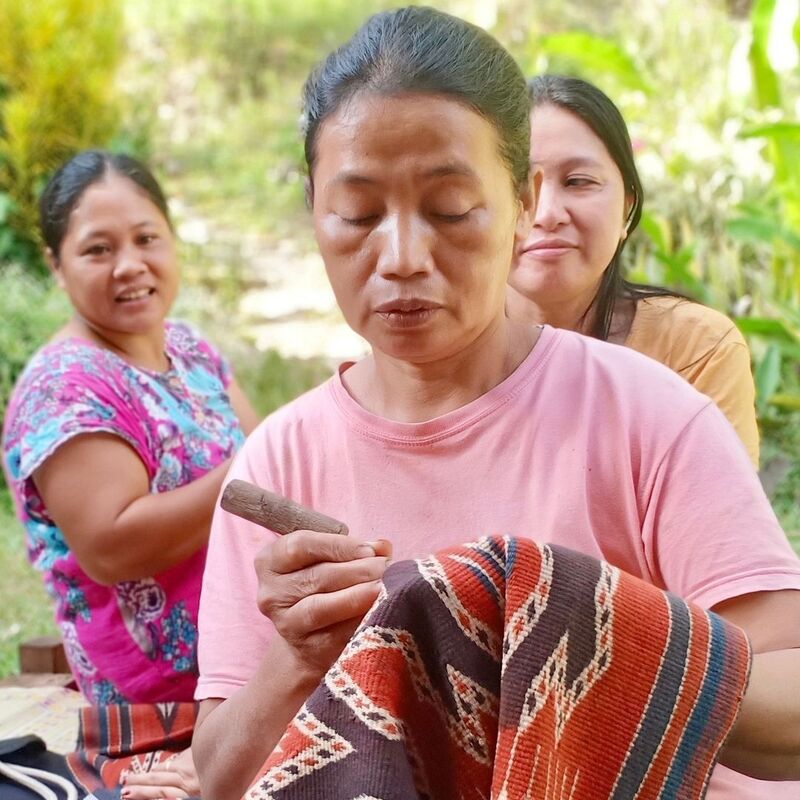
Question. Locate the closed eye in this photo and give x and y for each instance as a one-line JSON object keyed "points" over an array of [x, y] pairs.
{"points": [[452, 217], [360, 221]]}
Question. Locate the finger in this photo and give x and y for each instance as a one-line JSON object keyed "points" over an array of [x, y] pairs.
{"points": [[160, 777], [303, 548], [382, 547], [320, 611], [152, 792], [278, 592]]}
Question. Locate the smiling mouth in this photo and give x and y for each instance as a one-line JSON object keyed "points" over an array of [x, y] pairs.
{"points": [[130, 297]]}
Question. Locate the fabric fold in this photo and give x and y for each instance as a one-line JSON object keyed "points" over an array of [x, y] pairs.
{"points": [[509, 669]]}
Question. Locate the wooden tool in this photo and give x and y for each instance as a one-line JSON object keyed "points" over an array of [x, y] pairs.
{"points": [[277, 513]]}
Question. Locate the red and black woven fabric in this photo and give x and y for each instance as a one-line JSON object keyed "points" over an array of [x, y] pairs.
{"points": [[507, 669], [128, 738]]}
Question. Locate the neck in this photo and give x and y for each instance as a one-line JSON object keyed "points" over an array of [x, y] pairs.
{"points": [[406, 392], [575, 314], [141, 350]]}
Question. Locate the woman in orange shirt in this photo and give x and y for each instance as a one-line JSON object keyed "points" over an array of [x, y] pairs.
{"points": [[569, 272]]}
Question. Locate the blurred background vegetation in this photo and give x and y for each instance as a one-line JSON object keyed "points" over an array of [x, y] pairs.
{"points": [[208, 92]]}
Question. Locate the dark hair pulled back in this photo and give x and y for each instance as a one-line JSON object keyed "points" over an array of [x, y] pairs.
{"points": [[597, 110], [420, 49], [67, 186]]}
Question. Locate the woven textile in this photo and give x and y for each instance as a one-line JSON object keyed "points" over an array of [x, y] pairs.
{"points": [[134, 738], [508, 669]]}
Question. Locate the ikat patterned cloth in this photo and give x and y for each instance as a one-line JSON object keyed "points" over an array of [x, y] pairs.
{"points": [[122, 738], [507, 669]]}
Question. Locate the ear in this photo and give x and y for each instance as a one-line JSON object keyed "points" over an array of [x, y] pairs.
{"points": [[528, 198], [52, 263]]}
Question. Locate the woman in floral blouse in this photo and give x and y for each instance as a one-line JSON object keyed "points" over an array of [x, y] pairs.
{"points": [[118, 436]]}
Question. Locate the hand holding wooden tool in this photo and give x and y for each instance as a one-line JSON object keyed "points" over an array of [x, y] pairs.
{"points": [[274, 512]]}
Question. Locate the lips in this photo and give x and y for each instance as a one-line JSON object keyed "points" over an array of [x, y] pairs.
{"points": [[544, 248], [131, 295], [407, 312]]}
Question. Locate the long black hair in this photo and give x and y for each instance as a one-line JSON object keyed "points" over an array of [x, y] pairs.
{"points": [[67, 186], [597, 110], [420, 49]]}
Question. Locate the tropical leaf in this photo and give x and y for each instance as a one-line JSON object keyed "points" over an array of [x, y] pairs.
{"points": [[766, 81], [761, 229], [768, 375], [657, 229], [788, 402], [789, 129], [593, 55]]}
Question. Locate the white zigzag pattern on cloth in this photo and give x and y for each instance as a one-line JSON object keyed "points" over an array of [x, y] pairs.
{"points": [[432, 570], [469, 704], [551, 679], [462, 729], [344, 688], [526, 617], [326, 747]]}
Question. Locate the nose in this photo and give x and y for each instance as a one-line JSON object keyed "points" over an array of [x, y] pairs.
{"points": [[405, 246], [551, 209], [130, 262]]}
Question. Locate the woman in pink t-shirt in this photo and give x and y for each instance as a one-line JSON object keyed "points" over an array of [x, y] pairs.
{"points": [[417, 137]]}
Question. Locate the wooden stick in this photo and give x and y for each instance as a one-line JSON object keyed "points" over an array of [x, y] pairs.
{"points": [[274, 512]]}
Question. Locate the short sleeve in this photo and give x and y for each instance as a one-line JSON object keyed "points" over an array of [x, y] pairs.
{"points": [[709, 531], [65, 392], [234, 635], [726, 377]]}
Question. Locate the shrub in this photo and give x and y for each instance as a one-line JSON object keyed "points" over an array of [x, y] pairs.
{"points": [[57, 66], [32, 309]]}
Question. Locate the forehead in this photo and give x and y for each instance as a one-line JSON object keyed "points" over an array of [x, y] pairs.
{"points": [[406, 133], [559, 136], [114, 198]]}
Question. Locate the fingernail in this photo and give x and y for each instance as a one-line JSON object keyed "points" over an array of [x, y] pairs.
{"points": [[365, 550]]}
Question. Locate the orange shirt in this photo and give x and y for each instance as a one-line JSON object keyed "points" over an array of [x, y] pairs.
{"points": [[707, 349]]}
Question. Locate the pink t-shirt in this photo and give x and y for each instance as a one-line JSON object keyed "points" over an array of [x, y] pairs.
{"points": [[587, 445]]}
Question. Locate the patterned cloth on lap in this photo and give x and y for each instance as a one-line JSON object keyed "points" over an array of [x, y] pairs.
{"points": [[134, 738], [508, 669]]}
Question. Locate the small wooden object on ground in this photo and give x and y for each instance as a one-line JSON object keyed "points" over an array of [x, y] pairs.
{"points": [[43, 654], [278, 514]]}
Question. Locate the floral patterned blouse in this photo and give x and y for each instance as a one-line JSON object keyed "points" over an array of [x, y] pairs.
{"points": [[135, 641]]}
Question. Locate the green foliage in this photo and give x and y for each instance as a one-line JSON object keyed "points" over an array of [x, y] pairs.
{"points": [[25, 609], [57, 67], [32, 309], [270, 380], [584, 53]]}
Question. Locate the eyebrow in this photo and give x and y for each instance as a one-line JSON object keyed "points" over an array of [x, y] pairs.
{"points": [[92, 232], [571, 163], [443, 171]]}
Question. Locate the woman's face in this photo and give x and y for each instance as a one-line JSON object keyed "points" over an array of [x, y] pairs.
{"points": [[417, 220], [117, 261], [580, 213]]}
